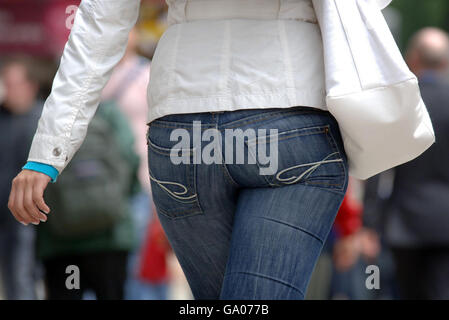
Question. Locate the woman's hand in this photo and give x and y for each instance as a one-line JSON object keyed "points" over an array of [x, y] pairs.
{"points": [[27, 197]]}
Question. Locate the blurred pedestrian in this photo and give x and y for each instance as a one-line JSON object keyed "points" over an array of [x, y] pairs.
{"points": [[91, 225], [153, 268], [417, 223], [19, 114]]}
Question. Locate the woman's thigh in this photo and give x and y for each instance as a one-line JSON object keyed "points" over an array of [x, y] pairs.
{"points": [[277, 237], [283, 218], [195, 205]]}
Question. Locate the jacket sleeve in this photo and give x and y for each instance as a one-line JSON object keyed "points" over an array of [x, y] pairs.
{"points": [[96, 44]]}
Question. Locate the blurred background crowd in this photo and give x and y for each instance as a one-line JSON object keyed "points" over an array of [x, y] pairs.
{"points": [[397, 221]]}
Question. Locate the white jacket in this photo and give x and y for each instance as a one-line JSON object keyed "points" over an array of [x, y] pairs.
{"points": [[224, 55], [268, 55], [277, 63]]}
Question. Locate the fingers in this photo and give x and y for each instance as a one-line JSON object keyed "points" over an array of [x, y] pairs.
{"points": [[31, 208], [38, 198], [20, 204]]}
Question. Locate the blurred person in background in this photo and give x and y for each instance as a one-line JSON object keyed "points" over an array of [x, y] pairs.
{"points": [[417, 219], [152, 267], [91, 225], [355, 247], [376, 193], [346, 225], [128, 87], [19, 114]]}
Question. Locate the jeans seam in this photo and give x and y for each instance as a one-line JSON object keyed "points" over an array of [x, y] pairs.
{"points": [[333, 142], [250, 151], [295, 227], [266, 277], [260, 117], [338, 191], [175, 125], [225, 169], [293, 133], [228, 175], [265, 115]]}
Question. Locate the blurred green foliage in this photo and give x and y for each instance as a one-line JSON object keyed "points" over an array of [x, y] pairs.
{"points": [[416, 14]]}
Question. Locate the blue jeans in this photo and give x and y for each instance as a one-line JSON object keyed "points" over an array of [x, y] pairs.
{"points": [[238, 233]]}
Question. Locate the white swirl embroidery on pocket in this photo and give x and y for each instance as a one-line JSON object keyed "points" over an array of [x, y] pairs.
{"points": [[314, 165], [177, 195]]}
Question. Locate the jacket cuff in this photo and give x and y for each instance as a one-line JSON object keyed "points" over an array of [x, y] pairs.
{"points": [[50, 150], [44, 168]]}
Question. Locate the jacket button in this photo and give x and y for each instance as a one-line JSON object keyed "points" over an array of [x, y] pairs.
{"points": [[56, 151]]}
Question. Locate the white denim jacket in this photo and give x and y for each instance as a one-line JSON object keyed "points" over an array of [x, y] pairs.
{"points": [[217, 55]]}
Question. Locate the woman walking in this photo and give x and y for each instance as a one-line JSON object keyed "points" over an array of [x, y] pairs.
{"points": [[247, 165]]}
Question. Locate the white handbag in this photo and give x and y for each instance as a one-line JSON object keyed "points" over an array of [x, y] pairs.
{"points": [[370, 90]]}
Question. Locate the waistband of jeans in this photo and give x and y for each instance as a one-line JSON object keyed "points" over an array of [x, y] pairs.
{"points": [[209, 119]]}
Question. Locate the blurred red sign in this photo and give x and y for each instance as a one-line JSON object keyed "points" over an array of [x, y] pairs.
{"points": [[38, 27]]}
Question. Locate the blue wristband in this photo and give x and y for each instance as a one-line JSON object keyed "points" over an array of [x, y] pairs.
{"points": [[49, 170]]}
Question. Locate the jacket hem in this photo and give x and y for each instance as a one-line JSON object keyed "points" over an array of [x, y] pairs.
{"points": [[230, 103]]}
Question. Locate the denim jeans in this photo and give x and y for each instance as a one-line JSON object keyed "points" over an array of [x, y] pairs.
{"points": [[237, 233]]}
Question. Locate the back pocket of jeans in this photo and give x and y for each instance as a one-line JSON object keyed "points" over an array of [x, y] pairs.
{"points": [[304, 155], [173, 185]]}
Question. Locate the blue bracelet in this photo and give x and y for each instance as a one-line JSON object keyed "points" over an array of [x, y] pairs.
{"points": [[49, 170]]}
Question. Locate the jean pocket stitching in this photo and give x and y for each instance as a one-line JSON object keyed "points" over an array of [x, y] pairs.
{"points": [[191, 200], [174, 194], [278, 181], [293, 133], [309, 171], [177, 196]]}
